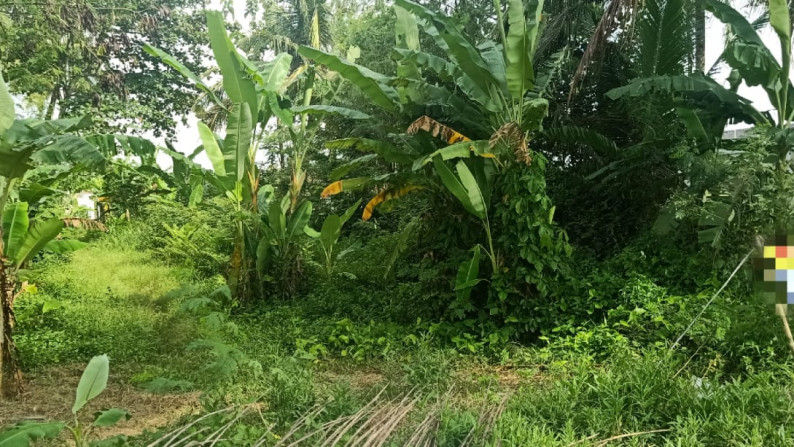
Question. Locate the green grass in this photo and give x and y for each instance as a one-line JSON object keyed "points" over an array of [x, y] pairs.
{"points": [[104, 300], [553, 406]]}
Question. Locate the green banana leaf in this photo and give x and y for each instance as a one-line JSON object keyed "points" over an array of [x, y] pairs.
{"points": [[7, 111], [238, 140], [212, 149], [236, 83], [37, 237], [467, 275], [318, 109], [455, 186], [15, 228], [92, 382], [374, 85], [520, 73]]}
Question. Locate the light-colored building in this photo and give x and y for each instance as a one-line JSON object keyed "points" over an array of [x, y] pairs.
{"points": [[85, 199]]}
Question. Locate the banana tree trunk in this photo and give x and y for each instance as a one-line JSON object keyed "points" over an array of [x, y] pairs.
{"points": [[298, 174], [10, 376], [236, 267]]}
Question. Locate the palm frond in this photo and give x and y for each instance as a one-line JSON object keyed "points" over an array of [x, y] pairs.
{"points": [[665, 32], [618, 14]]}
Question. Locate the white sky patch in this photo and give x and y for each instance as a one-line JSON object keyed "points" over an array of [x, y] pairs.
{"points": [[715, 44]]}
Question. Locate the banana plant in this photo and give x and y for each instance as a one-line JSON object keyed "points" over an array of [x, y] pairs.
{"points": [[254, 92], [20, 243], [34, 154], [24, 146], [473, 191], [499, 84], [746, 53], [92, 383], [491, 94], [328, 236], [303, 130], [704, 106], [696, 97], [251, 90], [280, 234]]}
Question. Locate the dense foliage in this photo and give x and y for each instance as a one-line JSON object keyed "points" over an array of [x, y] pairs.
{"points": [[446, 202]]}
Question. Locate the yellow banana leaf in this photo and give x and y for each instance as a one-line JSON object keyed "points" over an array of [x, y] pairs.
{"points": [[349, 184], [332, 189], [386, 195]]}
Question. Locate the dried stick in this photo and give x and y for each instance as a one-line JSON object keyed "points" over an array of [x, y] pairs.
{"points": [[630, 435], [781, 310]]}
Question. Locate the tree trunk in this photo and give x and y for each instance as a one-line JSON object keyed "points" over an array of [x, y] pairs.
{"points": [[10, 376], [700, 38], [51, 106]]}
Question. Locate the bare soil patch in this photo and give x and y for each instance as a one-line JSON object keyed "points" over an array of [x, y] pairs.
{"points": [[49, 394]]}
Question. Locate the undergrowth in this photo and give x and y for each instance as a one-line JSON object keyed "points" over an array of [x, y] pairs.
{"points": [[606, 372]]}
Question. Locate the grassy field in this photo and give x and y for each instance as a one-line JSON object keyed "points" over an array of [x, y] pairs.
{"points": [[296, 370]]}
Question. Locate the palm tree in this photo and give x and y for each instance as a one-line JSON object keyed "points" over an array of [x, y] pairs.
{"points": [[666, 36], [287, 24]]}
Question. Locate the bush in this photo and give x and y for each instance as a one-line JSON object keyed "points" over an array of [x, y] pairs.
{"points": [[198, 238]]}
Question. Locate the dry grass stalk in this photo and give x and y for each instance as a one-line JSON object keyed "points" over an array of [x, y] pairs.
{"points": [[374, 423], [496, 415], [380, 416], [581, 441], [187, 438], [606, 441], [215, 437], [365, 410], [371, 426], [170, 437], [384, 431], [299, 423], [486, 422], [321, 431], [425, 432]]}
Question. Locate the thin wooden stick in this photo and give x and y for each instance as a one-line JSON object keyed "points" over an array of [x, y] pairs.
{"points": [[781, 310], [724, 285], [582, 440], [630, 435]]}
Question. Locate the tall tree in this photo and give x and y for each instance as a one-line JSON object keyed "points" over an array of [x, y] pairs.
{"points": [[81, 56]]}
